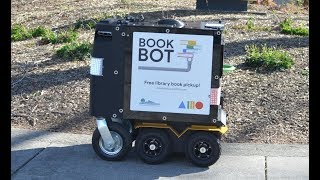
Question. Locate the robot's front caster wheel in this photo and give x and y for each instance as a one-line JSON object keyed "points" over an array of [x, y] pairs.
{"points": [[203, 149], [153, 146], [122, 143]]}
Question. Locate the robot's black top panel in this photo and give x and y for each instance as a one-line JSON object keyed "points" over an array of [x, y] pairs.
{"points": [[172, 23]]}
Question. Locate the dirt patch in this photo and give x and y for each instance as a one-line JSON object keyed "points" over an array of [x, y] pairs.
{"points": [[263, 106]]}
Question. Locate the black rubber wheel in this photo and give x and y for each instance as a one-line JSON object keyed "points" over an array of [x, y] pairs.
{"points": [[202, 149], [153, 145], [123, 143]]}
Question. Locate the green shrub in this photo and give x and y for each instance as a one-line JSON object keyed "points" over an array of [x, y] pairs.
{"points": [[298, 2], [75, 51], [61, 37], [286, 27], [85, 24], [250, 24], [39, 31], [49, 37], [66, 37], [270, 58], [20, 33]]}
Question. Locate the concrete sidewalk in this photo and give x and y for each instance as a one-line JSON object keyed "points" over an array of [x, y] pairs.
{"points": [[47, 155]]}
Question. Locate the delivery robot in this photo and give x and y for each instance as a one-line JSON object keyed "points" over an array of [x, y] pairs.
{"points": [[156, 86]]}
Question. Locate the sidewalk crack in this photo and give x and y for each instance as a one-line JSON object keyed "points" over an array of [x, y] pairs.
{"points": [[24, 164], [265, 168]]}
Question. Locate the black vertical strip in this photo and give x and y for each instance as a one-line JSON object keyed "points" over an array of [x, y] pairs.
{"points": [[222, 56], [216, 64], [5, 150], [119, 50], [314, 88], [127, 75], [92, 79]]}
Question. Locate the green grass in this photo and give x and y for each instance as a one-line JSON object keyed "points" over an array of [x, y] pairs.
{"points": [[60, 37], [250, 26], [75, 51], [20, 33], [297, 2], [250, 23], [89, 24], [39, 31], [267, 57], [85, 24], [286, 27]]}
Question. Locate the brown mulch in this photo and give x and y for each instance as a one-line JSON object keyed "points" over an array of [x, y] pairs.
{"points": [[263, 106]]}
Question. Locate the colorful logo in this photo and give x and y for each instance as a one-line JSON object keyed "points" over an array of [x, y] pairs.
{"points": [[191, 48], [191, 45], [191, 105], [148, 103], [188, 51]]}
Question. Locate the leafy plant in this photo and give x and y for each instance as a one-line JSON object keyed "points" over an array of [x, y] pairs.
{"points": [[20, 33], [75, 51], [268, 57], [39, 31], [286, 27], [250, 24], [85, 24], [66, 37], [61, 37], [49, 37], [299, 2]]}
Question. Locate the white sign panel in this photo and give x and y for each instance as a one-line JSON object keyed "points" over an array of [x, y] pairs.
{"points": [[171, 73]]}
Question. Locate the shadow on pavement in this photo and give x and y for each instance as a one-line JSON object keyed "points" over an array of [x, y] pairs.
{"points": [[81, 162]]}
